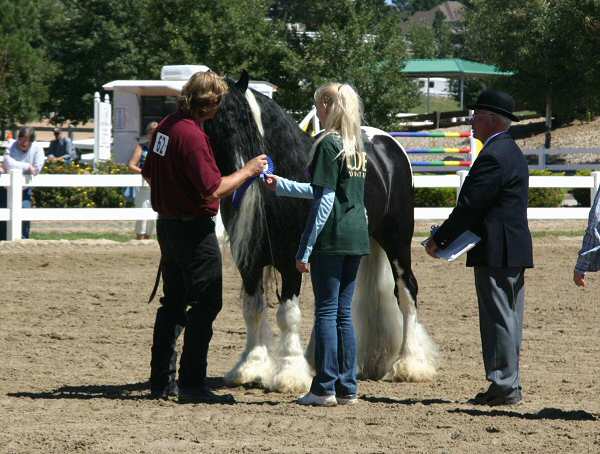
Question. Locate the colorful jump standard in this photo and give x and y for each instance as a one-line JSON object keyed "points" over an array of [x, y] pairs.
{"points": [[464, 134], [471, 150], [461, 150], [441, 163]]}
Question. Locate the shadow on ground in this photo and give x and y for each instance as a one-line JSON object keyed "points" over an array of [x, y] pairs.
{"points": [[126, 391], [545, 413]]}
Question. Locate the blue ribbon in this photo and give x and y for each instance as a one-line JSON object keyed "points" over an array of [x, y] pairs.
{"points": [[239, 193]]}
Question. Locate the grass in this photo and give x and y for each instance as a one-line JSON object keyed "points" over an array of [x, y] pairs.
{"points": [[534, 233], [437, 104], [120, 237]]}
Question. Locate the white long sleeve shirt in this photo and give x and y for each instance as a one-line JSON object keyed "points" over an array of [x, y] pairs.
{"points": [[18, 159]]}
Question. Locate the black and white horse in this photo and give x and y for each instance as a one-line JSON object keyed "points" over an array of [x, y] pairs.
{"points": [[265, 231]]}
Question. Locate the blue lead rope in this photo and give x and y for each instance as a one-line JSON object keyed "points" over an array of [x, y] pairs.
{"points": [[238, 195]]}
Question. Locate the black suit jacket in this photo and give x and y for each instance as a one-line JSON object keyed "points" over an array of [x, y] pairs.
{"points": [[493, 204]]}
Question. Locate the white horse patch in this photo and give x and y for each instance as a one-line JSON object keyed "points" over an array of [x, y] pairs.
{"points": [[161, 143]]}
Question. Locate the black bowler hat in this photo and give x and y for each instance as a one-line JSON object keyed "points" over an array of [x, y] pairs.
{"points": [[496, 101]]}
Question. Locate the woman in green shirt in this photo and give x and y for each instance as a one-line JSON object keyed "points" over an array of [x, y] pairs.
{"points": [[335, 238]]}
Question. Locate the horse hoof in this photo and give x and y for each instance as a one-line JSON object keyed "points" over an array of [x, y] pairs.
{"points": [[293, 377], [410, 369], [255, 367]]}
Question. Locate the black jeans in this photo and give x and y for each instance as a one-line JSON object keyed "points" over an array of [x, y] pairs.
{"points": [[192, 287]]}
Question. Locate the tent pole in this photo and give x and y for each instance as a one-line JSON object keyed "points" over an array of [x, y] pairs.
{"points": [[428, 109], [462, 91]]}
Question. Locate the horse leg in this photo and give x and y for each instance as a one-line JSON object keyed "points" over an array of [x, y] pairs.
{"points": [[255, 365], [419, 355], [293, 374]]}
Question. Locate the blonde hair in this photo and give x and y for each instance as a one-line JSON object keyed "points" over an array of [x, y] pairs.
{"points": [[344, 114], [202, 94]]}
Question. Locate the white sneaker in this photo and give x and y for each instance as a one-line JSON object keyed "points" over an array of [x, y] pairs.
{"points": [[313, 399], [350, 400]]}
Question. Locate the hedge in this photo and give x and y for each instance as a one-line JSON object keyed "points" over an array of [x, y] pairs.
{"points": [[546, 197], [582, 195], [86, 197], [538, 197]]}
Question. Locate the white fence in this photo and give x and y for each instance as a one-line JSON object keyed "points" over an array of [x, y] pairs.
{"points": [[15, 182], [543, 153]]}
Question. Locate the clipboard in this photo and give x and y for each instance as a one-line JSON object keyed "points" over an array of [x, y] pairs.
{"points": [[463, 243]]}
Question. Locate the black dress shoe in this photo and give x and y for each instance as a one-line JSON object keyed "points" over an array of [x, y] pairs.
{"points": [[511, 399], [493, 400], [480, 398], [203, 394], [165, 392]]}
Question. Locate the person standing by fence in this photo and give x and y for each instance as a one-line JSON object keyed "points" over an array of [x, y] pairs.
{"points": [[186, 186], [493, 204], [144, 228], [28, 156]]}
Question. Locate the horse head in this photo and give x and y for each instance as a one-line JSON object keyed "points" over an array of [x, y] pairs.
{"points": [[249, 123], [233, 131]]}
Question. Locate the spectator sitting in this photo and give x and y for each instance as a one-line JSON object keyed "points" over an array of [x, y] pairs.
{"points": [[145, 228], [61, 148], [28, 156]]}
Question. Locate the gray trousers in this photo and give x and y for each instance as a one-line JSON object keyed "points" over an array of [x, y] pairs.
{"points": [[501, 298]]}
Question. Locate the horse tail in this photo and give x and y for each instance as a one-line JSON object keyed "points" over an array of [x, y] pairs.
{"points": [[377, 318]]}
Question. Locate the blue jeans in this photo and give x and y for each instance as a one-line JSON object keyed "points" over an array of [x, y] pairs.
{"points": [[333, 280]]}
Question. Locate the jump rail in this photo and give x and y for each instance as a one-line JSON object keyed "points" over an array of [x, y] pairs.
{"points": [[15, 182]]}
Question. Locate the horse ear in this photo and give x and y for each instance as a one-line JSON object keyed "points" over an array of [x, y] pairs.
{"points": [[242, 84]]}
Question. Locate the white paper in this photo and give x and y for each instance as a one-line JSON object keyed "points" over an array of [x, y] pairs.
{"points": [[464, 242]]}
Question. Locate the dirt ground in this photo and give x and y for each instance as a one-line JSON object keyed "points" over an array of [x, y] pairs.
{"points": [[75, 334]]}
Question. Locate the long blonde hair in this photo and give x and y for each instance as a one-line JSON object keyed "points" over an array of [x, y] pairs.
{"points": [[344, 114]]}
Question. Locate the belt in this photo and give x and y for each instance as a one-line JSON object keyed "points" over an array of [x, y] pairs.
{"points": [[164, 217]]}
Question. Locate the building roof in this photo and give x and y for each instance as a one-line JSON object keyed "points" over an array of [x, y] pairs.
{"points": [[454, 13], [450, 67], [171, 87]]}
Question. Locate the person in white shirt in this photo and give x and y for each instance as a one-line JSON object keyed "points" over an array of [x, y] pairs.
{"points": [[28, 156]]}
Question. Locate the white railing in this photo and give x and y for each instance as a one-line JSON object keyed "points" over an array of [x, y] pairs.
{"points": [[15, 182]]}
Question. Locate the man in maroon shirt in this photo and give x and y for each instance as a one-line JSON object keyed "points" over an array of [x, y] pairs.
{"points": [[186, 186]]}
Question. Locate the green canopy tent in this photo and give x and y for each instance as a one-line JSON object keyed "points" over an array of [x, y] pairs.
{"points": [[451, 68]]}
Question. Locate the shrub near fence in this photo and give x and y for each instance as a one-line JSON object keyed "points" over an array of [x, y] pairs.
{"points": [[88, 197], [435, 197], [582, 195], [546, 197]]}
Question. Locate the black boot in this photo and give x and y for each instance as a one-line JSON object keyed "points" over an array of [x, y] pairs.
{"points": [[167, 329]]}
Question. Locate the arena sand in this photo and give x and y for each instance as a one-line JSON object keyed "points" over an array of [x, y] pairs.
{"points": [[75, 334]]}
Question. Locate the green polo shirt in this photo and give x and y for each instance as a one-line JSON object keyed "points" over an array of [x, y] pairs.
{"points": [[346, 231]]}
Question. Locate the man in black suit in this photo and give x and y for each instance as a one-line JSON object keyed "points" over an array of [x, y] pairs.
{"points": [[493, 204]]}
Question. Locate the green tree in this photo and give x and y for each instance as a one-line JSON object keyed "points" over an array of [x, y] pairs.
{"points": [[356, 43], [93, 42], [443, 36], [24, 67], [551, 46], [226, 35], [422, 41]]}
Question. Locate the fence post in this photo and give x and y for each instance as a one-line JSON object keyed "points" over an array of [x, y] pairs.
{"points": [[14, 198], [473, 147], [594, 190], [462, 174]]}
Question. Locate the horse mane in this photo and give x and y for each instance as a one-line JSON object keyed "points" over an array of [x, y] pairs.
{"points": [[246, 125]]}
